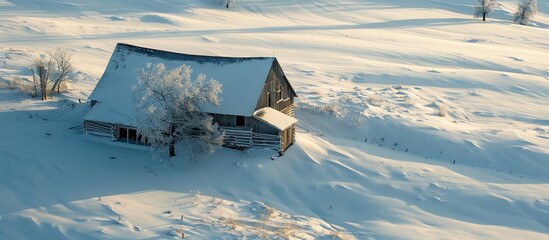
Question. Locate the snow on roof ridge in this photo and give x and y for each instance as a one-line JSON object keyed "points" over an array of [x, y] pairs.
{"points": [[184, 56]]}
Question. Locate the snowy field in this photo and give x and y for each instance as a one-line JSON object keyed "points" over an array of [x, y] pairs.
{"points": [[373, 158]]}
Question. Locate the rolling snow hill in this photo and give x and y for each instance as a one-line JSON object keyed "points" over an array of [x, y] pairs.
{"points": [[373, 158]]}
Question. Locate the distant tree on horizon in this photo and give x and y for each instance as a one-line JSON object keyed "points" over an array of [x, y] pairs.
{"points": [[228, 3], [484, 7], [526, 11]]}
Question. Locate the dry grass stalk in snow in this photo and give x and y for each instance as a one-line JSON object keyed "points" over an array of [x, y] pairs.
{"points": [[337, 235], [230, 223], [288, 230], [375, 100], [19, 85]]}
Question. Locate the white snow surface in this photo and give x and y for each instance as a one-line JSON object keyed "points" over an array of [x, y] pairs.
{"points": [[242, 80], [373, 159], [274, 118]]}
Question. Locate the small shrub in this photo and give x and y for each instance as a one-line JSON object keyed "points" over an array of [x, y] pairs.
{"points": [[442, 110], [375, 100], [195, 197], [341, 236], [409, 101], [474, 92], [268, 213], [330, 108], [231, 223], [288, 230]]}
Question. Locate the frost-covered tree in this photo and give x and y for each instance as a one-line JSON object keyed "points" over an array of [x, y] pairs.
{"points": [[484, 7], [526, 11], [168, 104]]}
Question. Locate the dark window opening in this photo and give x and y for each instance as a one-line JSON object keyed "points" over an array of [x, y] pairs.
{"points": [[132, 135], [129, 135], [268, 99], [122, 133], [240, 121]]}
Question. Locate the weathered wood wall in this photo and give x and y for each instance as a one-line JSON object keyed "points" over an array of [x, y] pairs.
{"points": [[230, 120], [287, 137], [261, 127], [99, 128], [277, 92]]}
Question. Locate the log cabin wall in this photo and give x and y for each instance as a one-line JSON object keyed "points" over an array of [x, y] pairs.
{"points": [[261, 127], [287, 137]]}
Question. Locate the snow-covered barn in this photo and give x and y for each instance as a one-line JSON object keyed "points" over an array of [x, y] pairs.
{"points": [[257, 107]]}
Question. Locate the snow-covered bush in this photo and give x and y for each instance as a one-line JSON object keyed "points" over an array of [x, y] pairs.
{"points": [[337, 235], [442, 110], [409, 101], [526, 11], [375, 100]]}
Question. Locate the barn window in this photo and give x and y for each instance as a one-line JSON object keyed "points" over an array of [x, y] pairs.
{"points": [[122, 133], [279, 92], [132, 135], [240, 121], [129, 135], [268, 99]]}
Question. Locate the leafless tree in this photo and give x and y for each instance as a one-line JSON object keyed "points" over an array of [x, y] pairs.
{"points": [[526, 11], [485, 7], [42, 69], [63, 67]]}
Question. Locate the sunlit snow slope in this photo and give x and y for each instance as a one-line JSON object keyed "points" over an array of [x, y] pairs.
{"points": [[373, 158]]}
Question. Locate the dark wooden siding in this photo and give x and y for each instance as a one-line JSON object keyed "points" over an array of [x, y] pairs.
{"points": [[277, 92], [230, 120], [261, 127]]}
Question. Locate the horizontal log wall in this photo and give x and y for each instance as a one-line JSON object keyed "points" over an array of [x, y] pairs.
{"points": [[266, 141], [237, 137], [99, 128]]}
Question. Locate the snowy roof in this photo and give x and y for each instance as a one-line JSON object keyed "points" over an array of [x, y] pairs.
{"points": [[242, 81], [274, 118]]}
